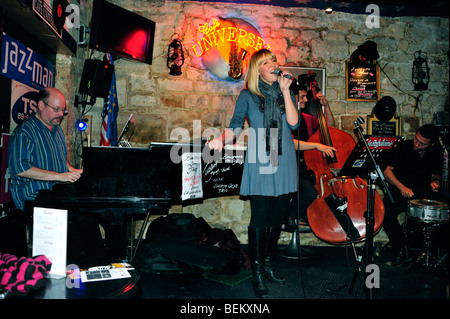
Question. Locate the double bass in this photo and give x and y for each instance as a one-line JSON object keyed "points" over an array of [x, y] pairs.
{"points": [[337, 215]]}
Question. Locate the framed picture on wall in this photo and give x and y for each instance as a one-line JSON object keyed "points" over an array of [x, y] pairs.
{"points": [[318, 73], [362, 83]]}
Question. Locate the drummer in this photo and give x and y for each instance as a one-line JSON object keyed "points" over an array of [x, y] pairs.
{"points": [[413, 172]]}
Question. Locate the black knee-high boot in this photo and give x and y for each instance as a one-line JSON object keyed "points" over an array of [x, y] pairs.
{"points": [[256, 248], [272, 235]]}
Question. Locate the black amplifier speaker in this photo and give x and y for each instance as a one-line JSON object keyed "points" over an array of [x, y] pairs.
{"points": [[96, 78]]}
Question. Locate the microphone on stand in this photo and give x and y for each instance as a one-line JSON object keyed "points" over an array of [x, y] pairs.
{"points": [[359, 121], [279, 72]]}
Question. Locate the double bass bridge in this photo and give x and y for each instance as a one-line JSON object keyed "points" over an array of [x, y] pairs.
{"points": [[344, 180]]}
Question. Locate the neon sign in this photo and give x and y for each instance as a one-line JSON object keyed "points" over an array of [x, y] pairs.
{"points": [[213, 36], [225, 45]]}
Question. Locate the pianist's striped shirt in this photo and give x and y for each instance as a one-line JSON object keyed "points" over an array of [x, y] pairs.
{"points": [[32, 144]]}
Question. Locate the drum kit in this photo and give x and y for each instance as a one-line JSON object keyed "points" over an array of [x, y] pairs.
{"points": [[429, 215]]}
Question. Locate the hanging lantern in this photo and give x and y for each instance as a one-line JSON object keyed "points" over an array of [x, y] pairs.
{"points": [[175, 57], [420, 72]]}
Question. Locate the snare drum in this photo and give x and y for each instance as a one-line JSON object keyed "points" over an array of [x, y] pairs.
{"points": [[428, 211]]}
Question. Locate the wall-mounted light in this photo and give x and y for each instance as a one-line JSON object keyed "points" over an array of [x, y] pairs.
{"points": [[420, 72], [175, 57], [82, 124], [329, 8]]}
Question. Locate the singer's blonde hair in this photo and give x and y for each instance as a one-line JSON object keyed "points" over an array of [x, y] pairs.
{"points": [[252, 76]]}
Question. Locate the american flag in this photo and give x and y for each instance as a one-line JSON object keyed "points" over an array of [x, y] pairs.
{"points": [[108, 134]]}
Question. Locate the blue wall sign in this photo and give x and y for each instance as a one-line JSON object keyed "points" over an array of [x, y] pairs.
{"points": [[22, 64]]}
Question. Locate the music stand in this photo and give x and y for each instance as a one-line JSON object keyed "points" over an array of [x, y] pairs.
{"points": [[125, 130], [360, 161], [363, 160]]}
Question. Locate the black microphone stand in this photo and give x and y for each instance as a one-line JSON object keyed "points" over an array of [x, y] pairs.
{"points": [[293, 250], [369, 214], [377, 167]]}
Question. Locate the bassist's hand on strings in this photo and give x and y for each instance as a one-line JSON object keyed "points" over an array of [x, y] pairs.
{"points": [[306, 146], [326, 150], [322, 99]]}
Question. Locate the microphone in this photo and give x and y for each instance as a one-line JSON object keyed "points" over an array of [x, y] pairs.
{"points": [[278, 72], [359, 121]]}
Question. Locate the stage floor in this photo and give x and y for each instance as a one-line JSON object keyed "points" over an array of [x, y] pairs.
{"points": [[325, 272]]}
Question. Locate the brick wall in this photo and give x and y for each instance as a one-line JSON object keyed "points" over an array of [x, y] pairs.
{"points": [[299, 37]]}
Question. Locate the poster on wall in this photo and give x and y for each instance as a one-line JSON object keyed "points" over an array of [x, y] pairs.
{"points": [[22, 64], [55, 20], [62, 17], [362, 83], [29, 72], [23, 103], [392, 127]]}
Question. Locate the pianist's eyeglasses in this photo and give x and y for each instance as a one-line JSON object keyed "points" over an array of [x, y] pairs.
{"points": [[57, 109]]}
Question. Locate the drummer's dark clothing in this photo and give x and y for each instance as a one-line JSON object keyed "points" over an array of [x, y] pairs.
{"points": [[414, 172]]}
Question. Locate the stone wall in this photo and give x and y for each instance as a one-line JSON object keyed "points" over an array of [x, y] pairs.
{"points": [[299, 37]]}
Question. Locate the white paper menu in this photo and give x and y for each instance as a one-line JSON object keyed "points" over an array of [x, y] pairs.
{"points": [[50, 237], [192, 176]]}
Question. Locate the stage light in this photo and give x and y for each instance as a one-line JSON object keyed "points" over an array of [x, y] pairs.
{"points": [[82, 124], [329, 8]]}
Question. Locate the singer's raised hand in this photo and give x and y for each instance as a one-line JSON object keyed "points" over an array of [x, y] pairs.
{"points": [[285, 81]]}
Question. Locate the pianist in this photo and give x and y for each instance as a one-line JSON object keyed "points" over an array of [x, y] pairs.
{"points": [[38, 160]]}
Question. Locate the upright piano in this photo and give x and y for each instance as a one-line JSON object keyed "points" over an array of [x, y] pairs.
{"points": [[121, 183]]}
